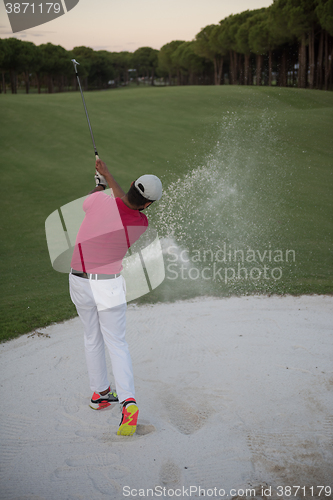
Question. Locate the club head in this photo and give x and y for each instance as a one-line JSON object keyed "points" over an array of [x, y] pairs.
{"points": [[75, 64]]}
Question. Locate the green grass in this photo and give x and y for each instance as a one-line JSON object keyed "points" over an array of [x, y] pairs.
{"points": [[270, 150]]}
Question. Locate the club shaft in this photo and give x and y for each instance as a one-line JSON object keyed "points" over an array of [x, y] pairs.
{"points": [[85, 109]]}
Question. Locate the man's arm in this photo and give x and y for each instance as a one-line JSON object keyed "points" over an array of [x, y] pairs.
{"points": [[96, 189], [103, 170]]}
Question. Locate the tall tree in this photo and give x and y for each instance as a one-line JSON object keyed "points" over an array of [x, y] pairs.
{"points": [[302, 23], [121, 62], [145, 60], [206, 46], [56, 63], [39, 67], [300, 18], [191, 65], [282, 37], [165, 63], [28, 62], [102, 70], [225, 42], [3, 56], [84, 56], [220, 51], [324, 12], [227, 39], [261, 42], [243, 43], [12, 60]]}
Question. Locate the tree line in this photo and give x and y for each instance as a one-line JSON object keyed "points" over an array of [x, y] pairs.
{"points": [[289, 43]]}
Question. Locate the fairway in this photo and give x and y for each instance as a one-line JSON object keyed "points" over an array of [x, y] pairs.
{"points": [[247, 174]]}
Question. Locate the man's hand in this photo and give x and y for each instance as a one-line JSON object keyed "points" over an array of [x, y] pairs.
{"points": [[100, 180], [102, 168]]}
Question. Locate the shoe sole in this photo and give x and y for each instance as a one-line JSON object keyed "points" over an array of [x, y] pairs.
{"points": [[100, 406], [129, 429]]}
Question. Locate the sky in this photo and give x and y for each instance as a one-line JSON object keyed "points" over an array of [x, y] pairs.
{"points": [[116, 25]]}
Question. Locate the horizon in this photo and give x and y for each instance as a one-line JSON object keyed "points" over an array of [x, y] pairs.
{"points": [[147, 25]]}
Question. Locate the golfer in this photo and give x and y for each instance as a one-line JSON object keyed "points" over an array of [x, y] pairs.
{"points": [[98, 290]]}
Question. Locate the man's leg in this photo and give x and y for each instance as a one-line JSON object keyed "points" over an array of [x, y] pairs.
{"points": [[94, 350], [84, 301], [111, 303], [113, 327]]}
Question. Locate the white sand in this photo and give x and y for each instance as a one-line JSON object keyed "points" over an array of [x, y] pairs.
{"points": [[232, 393]]}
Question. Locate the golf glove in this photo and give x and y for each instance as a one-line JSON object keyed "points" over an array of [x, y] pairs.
{"points": [[100, 180]]}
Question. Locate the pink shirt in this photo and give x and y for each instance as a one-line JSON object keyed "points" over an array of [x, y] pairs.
{"points": [[107, 231]]}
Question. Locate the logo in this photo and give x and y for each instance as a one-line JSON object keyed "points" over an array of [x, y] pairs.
{"points": [[143, 265], [25, 15]]}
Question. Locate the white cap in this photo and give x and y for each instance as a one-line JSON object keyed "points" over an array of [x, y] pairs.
{"points": [[149, 186]]}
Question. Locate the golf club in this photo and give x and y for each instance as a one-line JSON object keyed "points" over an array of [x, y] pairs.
{"points": [[75, 63]]}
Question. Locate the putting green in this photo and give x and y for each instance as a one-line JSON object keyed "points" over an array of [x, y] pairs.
{"points": [[244, 170]]}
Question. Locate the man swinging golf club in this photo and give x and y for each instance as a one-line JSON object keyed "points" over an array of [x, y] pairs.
{"points": [[98, 290]]}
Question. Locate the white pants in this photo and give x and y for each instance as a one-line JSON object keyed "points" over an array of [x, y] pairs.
{"points": [[101, 306]]}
